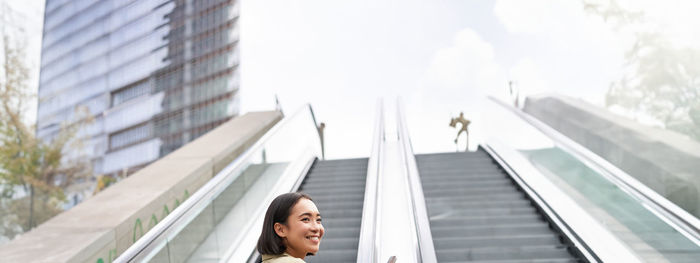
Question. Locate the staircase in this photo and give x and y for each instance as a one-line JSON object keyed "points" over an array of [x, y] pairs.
{"points": [[337, 188], [477, 213]]}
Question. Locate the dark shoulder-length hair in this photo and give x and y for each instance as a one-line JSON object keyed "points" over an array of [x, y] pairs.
{"points": [[269, 242]]}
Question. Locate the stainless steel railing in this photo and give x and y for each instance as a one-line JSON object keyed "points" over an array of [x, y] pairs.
{"points": [[424, 248], [367, 248]]}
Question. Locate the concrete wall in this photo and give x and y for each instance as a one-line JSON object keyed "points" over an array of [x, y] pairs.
{"points": [[663, 160], [105, 225]]}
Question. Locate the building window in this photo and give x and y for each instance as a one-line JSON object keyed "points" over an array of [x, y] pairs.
{"points": [[130, 136], [130, 92]]}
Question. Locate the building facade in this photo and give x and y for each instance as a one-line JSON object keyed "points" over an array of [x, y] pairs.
{"points": [[153, 74]]}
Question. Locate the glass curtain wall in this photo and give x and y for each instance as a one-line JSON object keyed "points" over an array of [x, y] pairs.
{"points": [[153, 74]]}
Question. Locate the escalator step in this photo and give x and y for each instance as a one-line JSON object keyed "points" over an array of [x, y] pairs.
{"points": [[486, 220], [337, 188], [494, 241], [521, 229], [330, 255], [477, 213], [504, 253]]}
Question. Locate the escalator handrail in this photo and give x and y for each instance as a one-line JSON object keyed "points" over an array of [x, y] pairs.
{"points": [[367, 246], [425, 249], [681, 220], [176, 219]]}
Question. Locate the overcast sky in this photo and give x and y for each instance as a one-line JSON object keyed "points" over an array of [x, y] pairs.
{"points": [[441, 57]]}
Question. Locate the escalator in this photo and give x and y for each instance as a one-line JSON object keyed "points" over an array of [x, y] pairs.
{"points": [[477, 213], [338, 189], [496, 204]]}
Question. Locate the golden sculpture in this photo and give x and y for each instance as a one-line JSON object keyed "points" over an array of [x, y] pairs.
{"points": [[465, 127]]}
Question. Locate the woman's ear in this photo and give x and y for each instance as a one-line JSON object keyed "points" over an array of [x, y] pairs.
{"points": [[281, 230]]}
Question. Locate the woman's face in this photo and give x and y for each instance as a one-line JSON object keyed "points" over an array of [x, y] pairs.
{"points": [[303, 232]]}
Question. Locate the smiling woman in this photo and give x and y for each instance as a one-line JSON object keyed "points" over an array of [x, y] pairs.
{"points": [[292, 229]]}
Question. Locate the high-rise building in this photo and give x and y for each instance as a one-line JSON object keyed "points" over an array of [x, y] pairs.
{"points": [[154, 74]]}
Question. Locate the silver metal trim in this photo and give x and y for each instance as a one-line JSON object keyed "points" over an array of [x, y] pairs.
{"points": [[143, 247], [320, 134], [676, 217], [368, 242], [425, 249]]}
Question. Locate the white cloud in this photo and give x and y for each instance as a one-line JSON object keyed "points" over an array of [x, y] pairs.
{"points": [[576, 54], [561, 21], [532, 16], [458, 79], [464, 71], [676, 19], [528, 77]]}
